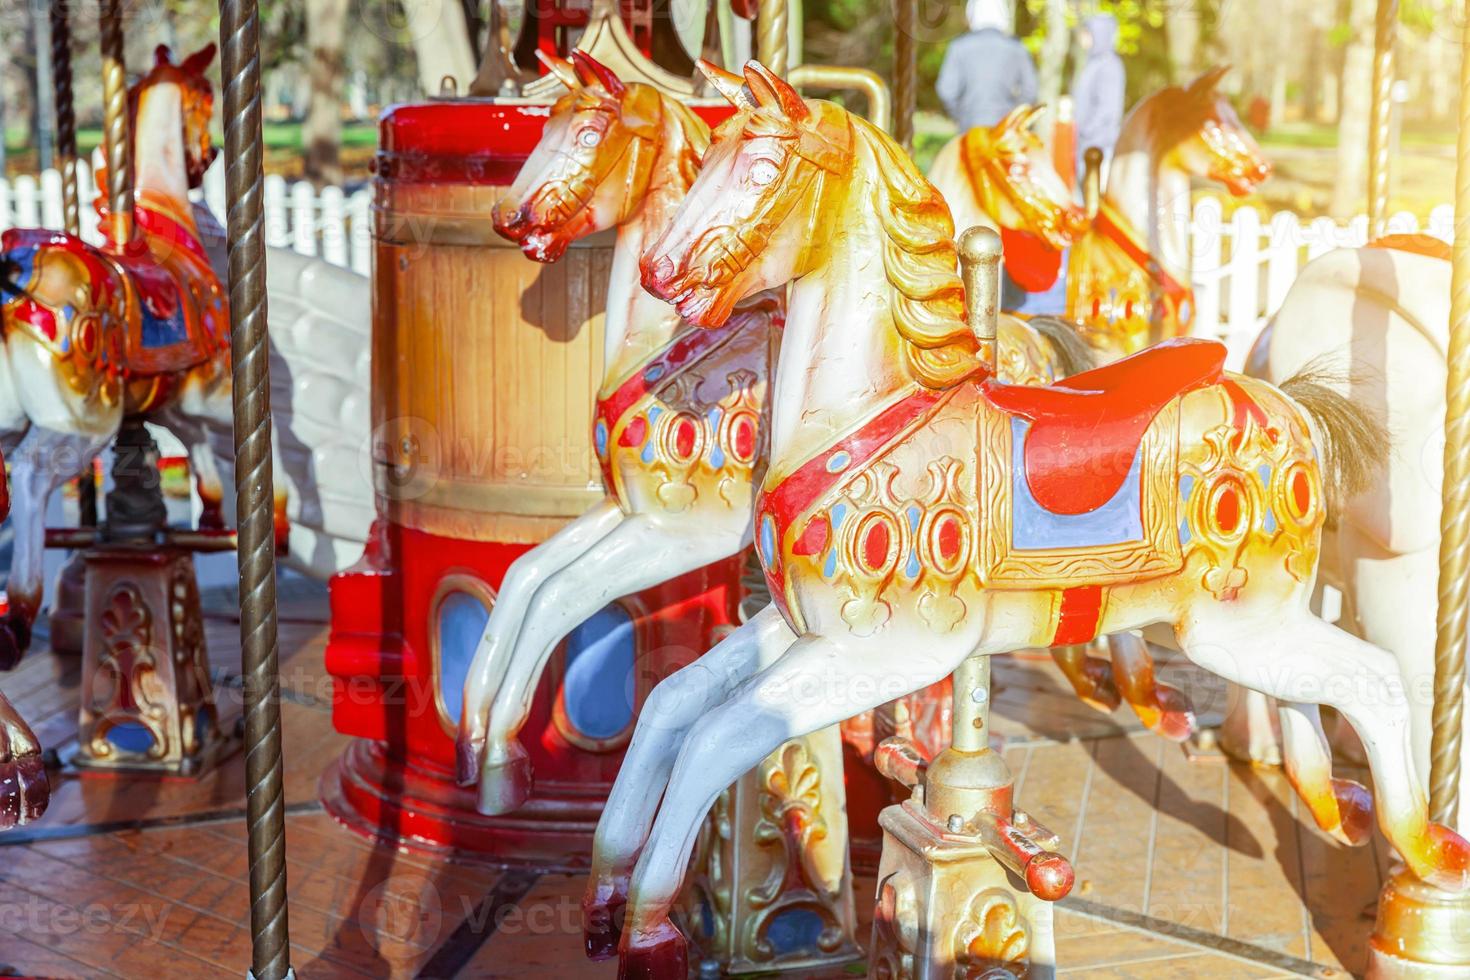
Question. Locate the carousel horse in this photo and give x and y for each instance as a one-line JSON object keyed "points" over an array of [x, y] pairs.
{"points": [[1383, 314], [1128, 278], [142, 328], [680, 456], [917, 511], [1001, 177]]}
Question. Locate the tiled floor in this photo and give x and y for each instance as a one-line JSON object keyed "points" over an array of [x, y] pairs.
{"points": [[1184, 869]]}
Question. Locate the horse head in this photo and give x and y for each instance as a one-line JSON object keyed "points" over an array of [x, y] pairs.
{"points": [[1015, 183], [1209, 139], [196, 104], [755, 217], [594, 164]]}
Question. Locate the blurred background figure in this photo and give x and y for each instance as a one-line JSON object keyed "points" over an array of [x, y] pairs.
{"points": [[1097, 96], [986, 72]]}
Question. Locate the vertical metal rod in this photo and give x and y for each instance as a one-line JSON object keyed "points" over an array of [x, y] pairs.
{"points": [[771, 40], [250, 348], [1380, 137], [66, 121], [116, 138], [905, 72], [45, 86], [1092, 160], [971, 720], [980, 254], [1454, 523]]}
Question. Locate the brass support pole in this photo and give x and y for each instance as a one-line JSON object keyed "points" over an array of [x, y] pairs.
{"points": [[1454, 523], [771, 42], [905, 72], [239, 30], [115, 134], [66, 119], [971, 719], [1092, 181], [1380, 128]]}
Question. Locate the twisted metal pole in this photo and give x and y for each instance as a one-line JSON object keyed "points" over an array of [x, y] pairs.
{"points": [[771, 37], [1380, 136], [115, 124], [239, 30], [66, 118], [1454, 545], [905, 72]]}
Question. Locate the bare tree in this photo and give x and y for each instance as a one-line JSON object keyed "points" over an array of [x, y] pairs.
{"points": [[441, 40], [326, 25], [1356, 101], [1053, 60]]}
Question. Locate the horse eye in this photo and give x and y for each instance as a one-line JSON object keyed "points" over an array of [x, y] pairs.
{"points": [[762, 172], [589, 137]]}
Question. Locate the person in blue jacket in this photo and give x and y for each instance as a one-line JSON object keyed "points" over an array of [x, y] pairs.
{"points": [[1097, 95], [987, 72]]}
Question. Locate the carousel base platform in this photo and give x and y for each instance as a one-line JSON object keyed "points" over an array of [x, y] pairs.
{"points": [[1199, 871]]}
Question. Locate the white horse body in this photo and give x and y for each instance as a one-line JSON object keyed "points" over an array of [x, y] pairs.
{"points": [[1382, 314]]}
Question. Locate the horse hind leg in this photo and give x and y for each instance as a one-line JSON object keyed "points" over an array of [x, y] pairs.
{"points": [[1164, 709], [1090, 677], [1342, 808], [1293, 656], [671, 710]]}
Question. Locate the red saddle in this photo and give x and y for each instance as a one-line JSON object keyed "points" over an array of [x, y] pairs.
{"points": [[1085, 430]]}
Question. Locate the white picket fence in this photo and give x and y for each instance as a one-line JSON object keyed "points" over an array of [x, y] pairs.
{"points": [[1242, 268], [329, 222]]}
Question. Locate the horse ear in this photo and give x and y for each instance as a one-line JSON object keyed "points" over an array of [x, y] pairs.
{"points": [[771, 90], [1015, 120], [1207, 82], [594, 72], [1031, 115], [561, 68], [199, 60], [728, 84], [162, 55]]}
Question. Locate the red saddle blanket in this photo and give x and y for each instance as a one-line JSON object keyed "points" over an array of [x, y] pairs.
{"points": [[1085, 430]]}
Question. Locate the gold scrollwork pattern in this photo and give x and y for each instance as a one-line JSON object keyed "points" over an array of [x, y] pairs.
{"points": [[895, 920], [126, 687], [993, 940], [792, 825], [1247, 487], [706, 905]]}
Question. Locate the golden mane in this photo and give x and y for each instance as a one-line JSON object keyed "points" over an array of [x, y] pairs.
{"points": [[928, 299]]}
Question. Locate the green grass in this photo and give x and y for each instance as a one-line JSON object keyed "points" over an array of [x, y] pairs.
{"points": [[280, 136]]}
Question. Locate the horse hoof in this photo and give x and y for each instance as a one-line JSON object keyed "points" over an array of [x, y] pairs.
{"points": [[661, 953], [26, 790], [467, 762], [1355, 812], [15, 637], [602, 919], [1176, 714], [505, 783], [1448, 859]]}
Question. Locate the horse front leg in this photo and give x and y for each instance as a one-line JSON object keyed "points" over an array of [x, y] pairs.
{"points": [[524, 576], [819, 681], [1342, 808], [44, 460], [24, 789], [672, 708], [1090, 677], [638, 553]]}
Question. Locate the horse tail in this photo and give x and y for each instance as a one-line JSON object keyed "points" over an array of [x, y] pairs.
{"points": [[1073, 354], [1355, 440]]}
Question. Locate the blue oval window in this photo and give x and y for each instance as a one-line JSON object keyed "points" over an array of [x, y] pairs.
{"points": [[597, 690], [461, 621]]}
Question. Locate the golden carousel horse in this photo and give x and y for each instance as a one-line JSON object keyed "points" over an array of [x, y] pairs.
{"points": [[917, 511], [130, 328], [24, 787], [682, 417]]}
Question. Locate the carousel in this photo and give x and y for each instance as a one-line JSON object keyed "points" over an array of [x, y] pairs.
{"points": [[721, 580]]}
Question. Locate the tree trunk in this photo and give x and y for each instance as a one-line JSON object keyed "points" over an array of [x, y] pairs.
{"points": [[1183, 29], [1053, 60], [441, 41], [326, 26], [1356, 97]]}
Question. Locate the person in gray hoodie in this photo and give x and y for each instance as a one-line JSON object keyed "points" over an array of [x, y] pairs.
{"points": [[1097, 95], [987, 72]]}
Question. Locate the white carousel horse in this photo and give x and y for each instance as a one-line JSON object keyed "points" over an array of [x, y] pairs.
{"points": [[93, 334], [623, 154], [1376, 319], [917, 512]]}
